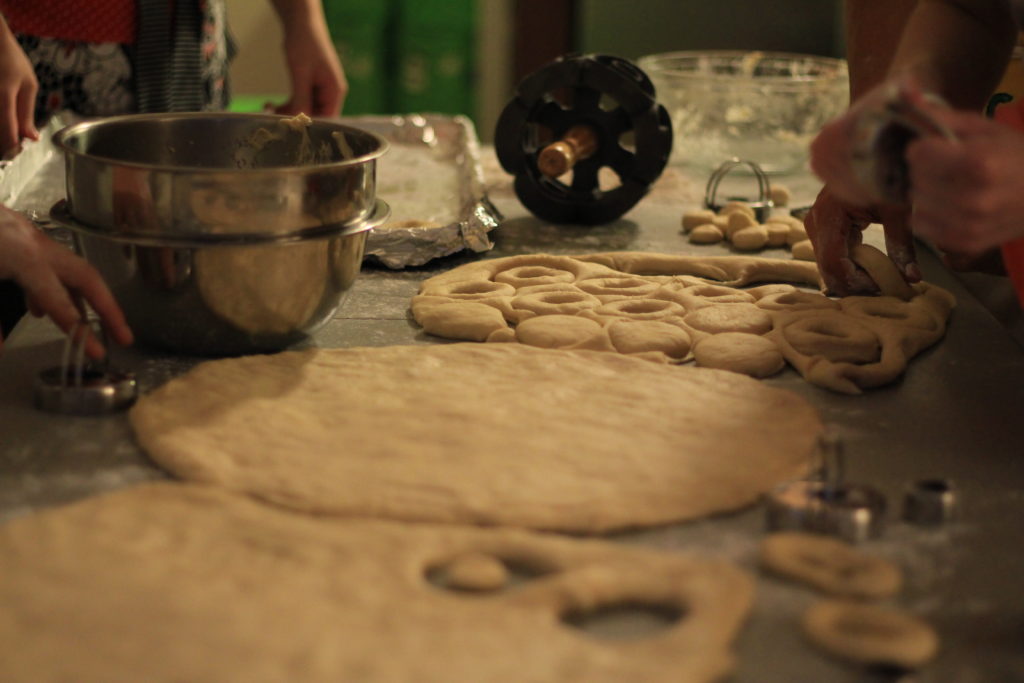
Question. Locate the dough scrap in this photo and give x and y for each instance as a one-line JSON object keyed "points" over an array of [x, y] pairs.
{"points": [[830, 565], [479, 433], [815, 334], [883, 271], [174, 582], [869, 634]]}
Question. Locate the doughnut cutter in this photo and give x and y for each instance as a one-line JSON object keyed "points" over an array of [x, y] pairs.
{"points": [[827, 503], [80, 387], [762, 204], [583, 113]]}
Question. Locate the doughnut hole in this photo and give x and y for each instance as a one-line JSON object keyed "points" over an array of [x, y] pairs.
{"points": [[638, 336], [796, 301], [835, 337], [525, 276], [475, 289], [642, 309], [618, 286], [730, 318], [556, 302], [556, 331], [720, 294]]}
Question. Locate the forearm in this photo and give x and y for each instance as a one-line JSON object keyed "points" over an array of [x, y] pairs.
{"points": [[300, 15], [957, 48], [873, 30]]}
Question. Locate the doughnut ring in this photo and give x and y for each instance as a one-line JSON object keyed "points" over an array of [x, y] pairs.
{"points": [[796, 301], [524, 276], [642, 309], [568, 301], [472, 289], [618, 286]]}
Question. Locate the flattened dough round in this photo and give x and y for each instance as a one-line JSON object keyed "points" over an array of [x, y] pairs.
{"points": [[749, 354], [173, 582], [730, 318], [494, 434]]}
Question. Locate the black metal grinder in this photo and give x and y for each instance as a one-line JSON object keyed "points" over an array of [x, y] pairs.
{"points": [[581, 114]]}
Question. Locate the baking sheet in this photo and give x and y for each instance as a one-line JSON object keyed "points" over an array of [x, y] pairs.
{"points": [[433, 180]]}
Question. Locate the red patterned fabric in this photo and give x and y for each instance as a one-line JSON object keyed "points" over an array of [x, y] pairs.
{"points": [[90, 21]]}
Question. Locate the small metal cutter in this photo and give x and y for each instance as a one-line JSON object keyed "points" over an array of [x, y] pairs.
{"points": [[78, 387], [828, 505], [762, 205], [930, 502]]}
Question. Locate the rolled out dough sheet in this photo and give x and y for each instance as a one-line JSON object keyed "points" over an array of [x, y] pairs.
{"points": [[177, 582], [480, 433]]}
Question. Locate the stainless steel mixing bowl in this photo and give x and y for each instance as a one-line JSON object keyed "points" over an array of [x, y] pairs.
{"points": [[185, 175], [210, 297]]}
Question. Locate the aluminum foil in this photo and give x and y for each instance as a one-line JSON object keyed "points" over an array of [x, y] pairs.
{"points": [[433, 180]]}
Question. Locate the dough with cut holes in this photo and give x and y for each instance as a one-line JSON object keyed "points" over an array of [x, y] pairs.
{"points": [[843, 345], [487, 434], [174, 582]]}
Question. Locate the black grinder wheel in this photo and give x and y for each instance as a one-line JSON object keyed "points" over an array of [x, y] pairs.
{"points": [[582, 113]]}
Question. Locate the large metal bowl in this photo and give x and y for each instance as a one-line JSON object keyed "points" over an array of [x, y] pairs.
{"points": [[231, 297], [195, 174]]}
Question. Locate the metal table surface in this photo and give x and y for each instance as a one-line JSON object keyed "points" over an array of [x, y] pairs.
{"points": [[958, 413]]}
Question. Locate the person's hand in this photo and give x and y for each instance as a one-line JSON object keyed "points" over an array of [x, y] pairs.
{"points": [[318, 85], [968, 194], [18, 88], [835, 226], [54, 279]]}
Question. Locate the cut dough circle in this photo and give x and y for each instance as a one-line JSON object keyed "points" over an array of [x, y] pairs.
{"points": [[524, 276], [830, 565], [618, 286], [642, 309], [796, 301], [640, 336], [479, 434], [188, 583], [556, 331], [568, 301], [868, 634], [833, 336], [749, 354], [730, 318]]}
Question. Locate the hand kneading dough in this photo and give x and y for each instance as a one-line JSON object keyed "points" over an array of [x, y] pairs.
{"points": [[167, 583], [491, 433]]}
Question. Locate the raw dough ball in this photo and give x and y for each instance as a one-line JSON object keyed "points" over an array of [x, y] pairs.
{"points": [[706, 234], [556, 331], [750, 238], [730, 318], [797, 232], [779, 194], [778, 234], [476, 572], [630, 336], [833, 336], [883, 271], [738, 220], [691, 219], [721, 222], [830, 565], [737, 207], [803, 250], [748, 354], [870, 635]]}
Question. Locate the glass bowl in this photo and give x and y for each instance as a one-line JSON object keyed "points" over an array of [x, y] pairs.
{"points": [[764, 107]]}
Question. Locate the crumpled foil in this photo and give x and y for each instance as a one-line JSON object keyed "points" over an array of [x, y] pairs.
{"points": [[433, 180]]}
